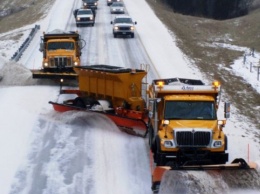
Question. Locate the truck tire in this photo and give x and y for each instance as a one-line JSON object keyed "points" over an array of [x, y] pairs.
{"points": [[115, 35], [132, 35], [226, 143], [151, 137], [79, 102], [158, 158]]}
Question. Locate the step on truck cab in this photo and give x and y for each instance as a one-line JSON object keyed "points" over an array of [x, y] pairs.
{"points": [[183, 124]]}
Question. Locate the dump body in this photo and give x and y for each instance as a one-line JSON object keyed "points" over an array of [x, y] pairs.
{"points": [[61, 52], [121, 86], [183, 127]]}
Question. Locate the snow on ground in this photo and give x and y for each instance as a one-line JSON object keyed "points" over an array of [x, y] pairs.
{"points": [[17, 115]]}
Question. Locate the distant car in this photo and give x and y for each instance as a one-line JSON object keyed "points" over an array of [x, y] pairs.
{"points": [[90, 4], [109, 2], [123, 25], [117, 7], [84, 17]]}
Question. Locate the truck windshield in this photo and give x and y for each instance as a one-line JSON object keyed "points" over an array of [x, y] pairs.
{"points": [[123, 20], [60, 45], [190, 110], [85, 12]]}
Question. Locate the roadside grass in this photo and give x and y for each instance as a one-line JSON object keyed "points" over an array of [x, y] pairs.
{"points": [[195, 35], [23, 12]]}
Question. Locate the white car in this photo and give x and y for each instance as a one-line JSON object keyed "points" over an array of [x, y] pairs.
{"points": [[123, 25], [84, 17], [117, 7]]}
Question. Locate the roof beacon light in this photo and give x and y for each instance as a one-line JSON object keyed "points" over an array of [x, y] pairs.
{"points": [[216, 84], [160, 84]]}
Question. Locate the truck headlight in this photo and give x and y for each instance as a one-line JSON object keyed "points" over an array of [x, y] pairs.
{"points": [[91, 18], [85, 4], [216, 144], [168, 144], [78, 19], [46, 64], [75, 63], [115, 28], [132, 28]]}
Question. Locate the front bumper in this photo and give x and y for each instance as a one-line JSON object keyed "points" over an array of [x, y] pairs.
{"points": [[90, 7], [117, 11], [85, 22], [124, 33], [191, 157]]}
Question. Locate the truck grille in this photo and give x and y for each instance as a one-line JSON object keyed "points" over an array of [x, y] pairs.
{"points": [[85, 19], [124, 28], [193, 139], [61, 62]]}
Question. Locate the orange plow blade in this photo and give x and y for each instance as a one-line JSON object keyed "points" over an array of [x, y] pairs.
{"points": [[133, 126], [226, 178]]}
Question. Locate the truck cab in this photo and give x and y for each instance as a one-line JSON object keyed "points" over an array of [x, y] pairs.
{"points": [[61, 51], [183, 124]]}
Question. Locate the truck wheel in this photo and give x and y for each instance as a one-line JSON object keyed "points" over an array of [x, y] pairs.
{"points": [[226, 142], [115, 35], [93, 24], [158, 158], [79, 102], [151, 137], [77, 25], [132, 35]]}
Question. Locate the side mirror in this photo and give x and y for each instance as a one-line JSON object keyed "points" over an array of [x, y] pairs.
{"points": [[135, 23], [227, 109], [151, 108], [111, 22], [80, 44], [41, 47]]}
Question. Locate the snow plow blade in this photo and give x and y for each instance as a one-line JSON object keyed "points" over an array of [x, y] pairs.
{"points": [[39, 74], [136, 127], [188, 179]]}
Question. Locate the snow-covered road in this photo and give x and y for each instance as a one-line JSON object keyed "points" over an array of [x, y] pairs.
{"points": [[47, 152]]}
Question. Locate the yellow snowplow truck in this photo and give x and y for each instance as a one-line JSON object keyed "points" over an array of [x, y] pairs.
{"points": [[183, 124], [187, 142], [61, 52]]}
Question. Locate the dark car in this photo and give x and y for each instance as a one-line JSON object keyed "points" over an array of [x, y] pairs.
{"points": [[109, 2], [90, 4]]}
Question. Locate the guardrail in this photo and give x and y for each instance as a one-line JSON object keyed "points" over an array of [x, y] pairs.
{"points": [[17, 55]]}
